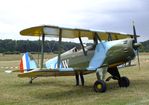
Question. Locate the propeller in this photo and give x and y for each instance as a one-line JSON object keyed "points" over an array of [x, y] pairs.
{"points": [[134, 33], [136, 44]]}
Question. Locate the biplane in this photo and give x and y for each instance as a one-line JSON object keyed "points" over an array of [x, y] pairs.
{"points": [[105, 54]]}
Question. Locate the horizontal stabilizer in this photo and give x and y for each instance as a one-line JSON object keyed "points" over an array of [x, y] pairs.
{"points": [[10, 71]]}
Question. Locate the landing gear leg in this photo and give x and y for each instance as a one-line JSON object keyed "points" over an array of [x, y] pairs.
{"points": [[100, 85], [122, 81], [82, 79], [77, 79], [31, 79], [115, 73]]}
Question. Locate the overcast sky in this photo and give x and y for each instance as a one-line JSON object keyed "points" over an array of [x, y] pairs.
{"points": [[108, 15]]}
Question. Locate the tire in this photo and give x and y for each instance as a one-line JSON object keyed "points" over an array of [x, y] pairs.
{"points": [[123, 82], [100, 86]]}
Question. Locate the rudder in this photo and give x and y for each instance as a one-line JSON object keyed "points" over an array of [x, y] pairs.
{"points": [[27, 63]]}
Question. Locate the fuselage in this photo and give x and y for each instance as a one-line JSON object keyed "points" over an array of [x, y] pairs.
{"points": [[111, 53]]}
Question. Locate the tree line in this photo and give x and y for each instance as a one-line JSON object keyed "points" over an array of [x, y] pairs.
{"points": [[145, 46], [21, 46]]}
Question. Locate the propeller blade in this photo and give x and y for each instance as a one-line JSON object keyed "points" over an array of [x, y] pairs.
{"points": [[135, 44], [138, 59], [134, 32]]}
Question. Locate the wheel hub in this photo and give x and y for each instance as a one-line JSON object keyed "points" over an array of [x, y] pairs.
{"points": [[99, 86]]}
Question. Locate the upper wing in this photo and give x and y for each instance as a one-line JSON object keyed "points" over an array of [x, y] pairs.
{"points": [[53, 31], [55, 72]]}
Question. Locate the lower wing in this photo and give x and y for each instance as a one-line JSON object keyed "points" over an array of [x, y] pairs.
{"points": [[56, 72]]}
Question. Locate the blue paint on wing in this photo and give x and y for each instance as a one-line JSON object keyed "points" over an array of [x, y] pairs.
{"points": [[99, 55]]}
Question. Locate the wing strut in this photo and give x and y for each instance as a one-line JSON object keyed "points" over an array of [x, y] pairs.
{"points": [[39, 50], [59, 48], [109, 37], [42, 50], [97, 36], [82, 46]]}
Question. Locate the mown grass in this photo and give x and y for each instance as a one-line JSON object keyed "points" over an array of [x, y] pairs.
{"points": [[62, 90]]}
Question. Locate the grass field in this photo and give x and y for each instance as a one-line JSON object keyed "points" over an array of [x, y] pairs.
{"points": [[62, 90]]}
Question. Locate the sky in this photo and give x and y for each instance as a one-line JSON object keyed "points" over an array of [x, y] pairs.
{"points": [[108, 15]]}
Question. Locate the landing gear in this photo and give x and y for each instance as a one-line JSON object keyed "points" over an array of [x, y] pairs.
{"points": [[81, 78], [123, 82], [31, 79], [100, 86]]}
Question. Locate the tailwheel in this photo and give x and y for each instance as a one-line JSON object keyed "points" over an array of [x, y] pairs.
{"points": [[123, 82], [100, 86], [31, 79], [30, 82]]}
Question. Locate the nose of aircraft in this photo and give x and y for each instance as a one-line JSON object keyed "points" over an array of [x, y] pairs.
{"points": [[137, 45]]}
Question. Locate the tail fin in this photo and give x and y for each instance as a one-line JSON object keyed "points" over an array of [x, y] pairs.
{"points": [[27, 63]]}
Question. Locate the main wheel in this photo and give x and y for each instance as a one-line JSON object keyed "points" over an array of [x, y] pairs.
{"points": [[123, 82], [100, 86]]}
